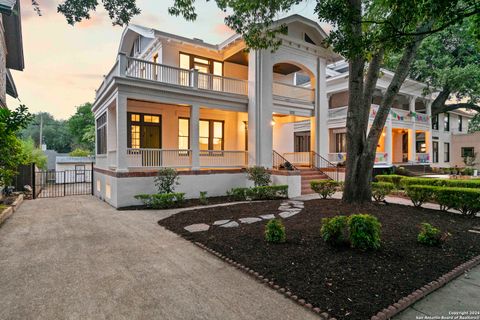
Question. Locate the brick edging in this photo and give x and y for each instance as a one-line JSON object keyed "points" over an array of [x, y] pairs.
{"points": [[417, 295], [9, 211], [268, 282]]}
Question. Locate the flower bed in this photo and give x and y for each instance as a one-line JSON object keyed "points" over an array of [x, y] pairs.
{"points": [[346, 283]]}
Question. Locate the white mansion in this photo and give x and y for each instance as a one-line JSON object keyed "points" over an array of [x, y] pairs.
{"points": [[212, 110]]}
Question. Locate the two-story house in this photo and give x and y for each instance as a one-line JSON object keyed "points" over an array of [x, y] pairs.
{"points": [[211, 110]]}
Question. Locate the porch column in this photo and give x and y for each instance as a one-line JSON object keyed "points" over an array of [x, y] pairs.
{"points": [[428, 132], [194, 135], [321, 110], [260, 104], [388, 140], [121, 114], [412, 133]]}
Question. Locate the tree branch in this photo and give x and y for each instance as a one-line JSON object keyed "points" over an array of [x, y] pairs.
{"points": [[455, 106]]}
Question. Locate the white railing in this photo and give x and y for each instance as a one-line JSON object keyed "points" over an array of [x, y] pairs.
{"points": [[147, 70], [422, 118], [143, 69], [337, 113], [337, 157], [299, 158], [223, 159], [293, 92], [158, 158], [422, 157], [223, 84]]}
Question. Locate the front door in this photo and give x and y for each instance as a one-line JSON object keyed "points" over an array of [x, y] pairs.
{"points": [[435, 151], [151, 137], [302, 141], [405, 147]]}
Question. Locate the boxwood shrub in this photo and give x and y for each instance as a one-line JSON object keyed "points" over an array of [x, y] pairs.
{"points": [[465, 200], [259, 193], [381, 189], [391, 178], [456, 183], [420, 194], [335, 230], [275, 231], [325, 188], [162, 200], [431, 236]]}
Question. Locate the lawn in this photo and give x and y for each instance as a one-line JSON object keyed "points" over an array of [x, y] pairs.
{"points": [[347, 283]]}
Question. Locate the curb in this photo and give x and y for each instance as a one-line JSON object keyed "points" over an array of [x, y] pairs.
{"points": [[269, 283], [419, 294], [8, 212]]}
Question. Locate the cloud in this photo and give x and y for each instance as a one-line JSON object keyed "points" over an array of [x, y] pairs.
{"points": [[223, 30]]}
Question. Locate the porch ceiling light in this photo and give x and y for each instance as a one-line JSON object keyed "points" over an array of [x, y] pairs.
{"points": [[272, 123]]}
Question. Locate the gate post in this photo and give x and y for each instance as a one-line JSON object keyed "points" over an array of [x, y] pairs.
{"points": [[91, 178], [64, 183], [33, 182]]}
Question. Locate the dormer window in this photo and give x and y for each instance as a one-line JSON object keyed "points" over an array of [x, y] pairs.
{"points": [[136, 47], [308, 39]]}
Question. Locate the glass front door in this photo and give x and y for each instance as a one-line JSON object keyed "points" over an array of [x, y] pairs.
{"points": [[151, 137]]}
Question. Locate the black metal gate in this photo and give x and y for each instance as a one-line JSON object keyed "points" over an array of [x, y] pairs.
{"points": [[52, 183]]}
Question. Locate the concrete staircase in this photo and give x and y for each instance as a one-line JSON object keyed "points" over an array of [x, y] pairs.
{"points": [[308, 174]]}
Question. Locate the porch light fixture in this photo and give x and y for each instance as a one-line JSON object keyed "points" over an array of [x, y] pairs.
{"points": [[272, 123]]}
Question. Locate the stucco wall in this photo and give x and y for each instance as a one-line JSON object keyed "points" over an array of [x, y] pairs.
{"points": [[459, 141]]}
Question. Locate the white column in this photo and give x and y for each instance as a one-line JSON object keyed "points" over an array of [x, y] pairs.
{"points": [[260, 103], [412, 133], [194, 135], [388, 140], [111, 134], [428, 132], [121, 114], [321, 110]]}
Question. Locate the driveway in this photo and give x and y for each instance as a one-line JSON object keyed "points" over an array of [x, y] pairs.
{"points": [[78, 258]]}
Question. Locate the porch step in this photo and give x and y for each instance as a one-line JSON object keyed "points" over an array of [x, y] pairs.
{"points": [[418, 169], [310, 174]]}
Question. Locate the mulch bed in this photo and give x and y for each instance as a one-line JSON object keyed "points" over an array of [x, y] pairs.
{"points": [[187, 204], [346, 283]]}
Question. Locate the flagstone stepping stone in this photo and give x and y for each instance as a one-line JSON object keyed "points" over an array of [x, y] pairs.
{"points": [[231, 224], [295, 202], [220, 222], [267, 216], [287, 214], [198, 227], [249, 220]]}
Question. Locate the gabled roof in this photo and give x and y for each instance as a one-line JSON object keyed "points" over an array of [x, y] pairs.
{"points": [[6, 6], [306, 21]]}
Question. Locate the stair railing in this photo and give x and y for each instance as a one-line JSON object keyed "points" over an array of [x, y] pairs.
{"points": [[325, 166], [280, 163]]}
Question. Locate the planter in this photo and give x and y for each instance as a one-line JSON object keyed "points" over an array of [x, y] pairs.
{"points": [[7, 212]]}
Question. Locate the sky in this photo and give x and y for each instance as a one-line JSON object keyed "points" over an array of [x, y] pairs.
{"points": [[65, 64]]}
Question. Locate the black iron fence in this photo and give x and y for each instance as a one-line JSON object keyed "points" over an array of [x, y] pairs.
{"points": [[52, 183]]}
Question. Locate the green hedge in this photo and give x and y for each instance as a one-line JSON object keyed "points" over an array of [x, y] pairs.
{"points": [[381, 189], [420, 194], [454, 183], [259, 193], [325, 188], [162, 200], [391, 178]]}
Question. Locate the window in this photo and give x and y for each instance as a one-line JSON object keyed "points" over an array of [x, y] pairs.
{"points": [[102, 134], [308, 39], [446, 152], [155, 58], [183, 133], [341, 142], [202, 64], [136, 47], [446, 122], [468, 152], [144, 131], [435, 151], [435, 122], [460, 123]]}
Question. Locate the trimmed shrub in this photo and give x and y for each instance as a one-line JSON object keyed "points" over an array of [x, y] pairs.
{"points": [[325, 188], [391, 178], [465, 200], [364, 232], [259, 193], [458, 183], [431, 236], [381, 189], [472, 183], [259, 175], [275, 231], [335, 230], [203, 198], [162, 200], [166, 180], [420, 194]]}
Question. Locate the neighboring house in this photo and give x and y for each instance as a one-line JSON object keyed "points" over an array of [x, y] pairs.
{"points": [[73, 169], [465, 145], [52, 158], [11, 48], [212, 110]]}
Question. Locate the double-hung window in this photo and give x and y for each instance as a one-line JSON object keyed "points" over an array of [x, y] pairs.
{"points": [[102, 134], [211, 134]]}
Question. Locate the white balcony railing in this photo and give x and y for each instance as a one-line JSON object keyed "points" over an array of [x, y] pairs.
{"points": [[293, 92], [223, 159], [298, 158], [158, 158], [147, 70]]}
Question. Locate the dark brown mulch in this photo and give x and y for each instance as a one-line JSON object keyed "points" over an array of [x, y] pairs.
{"points": [[347, 283], [188, 203]]}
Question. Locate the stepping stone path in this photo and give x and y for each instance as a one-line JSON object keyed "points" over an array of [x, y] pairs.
{"points": [[287, 209]]}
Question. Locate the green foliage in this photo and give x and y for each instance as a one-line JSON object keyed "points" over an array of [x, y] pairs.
{"points": [[335, 230], [275, 231], [259, 175], [259, 193], [203, 198], [431, 236], [163, 200], [474, 124], [79, 152], [80, 127], [395, 179], [325, 188], [381, 189], [361, 231], [420, 181], [465, 200], [166, 180], [457, 183], [420, 194], [31, 154]]}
